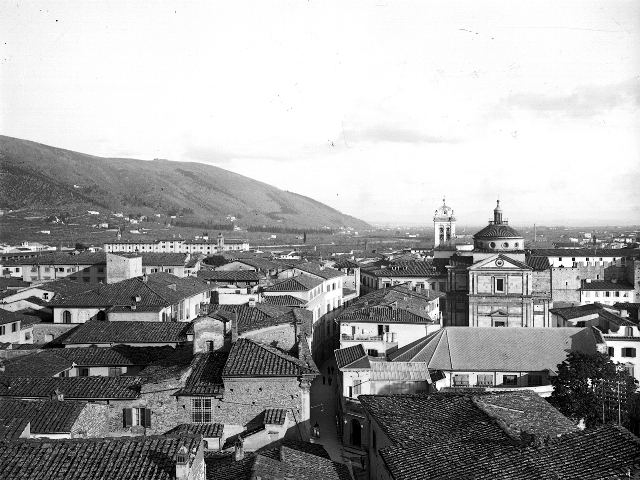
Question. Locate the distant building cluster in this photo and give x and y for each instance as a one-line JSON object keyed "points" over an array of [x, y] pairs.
{"points": [[220, 362]]}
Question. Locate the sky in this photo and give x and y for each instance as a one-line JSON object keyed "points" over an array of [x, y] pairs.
{"points": [[377, 108]]}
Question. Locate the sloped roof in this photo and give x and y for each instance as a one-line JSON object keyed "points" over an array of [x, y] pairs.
{"points": [[538, 263], [290, 459], [118, 355], [606, 285], [409, 269], [400, 371], [608, 451], [569, 313], [283, 300], [248, 358], [208, 430], [229, 275], [261, 263], [586, 252], [46, 416], [11, 428], [299, 283], [206, 374], [125, 458], [347, 356], [266, 315], [10, 317], [96, 331], [346, 263], [502, 349], [72, 387], [46, 363], [325, 273], [275, 416], [385, 314], [160, 289]]}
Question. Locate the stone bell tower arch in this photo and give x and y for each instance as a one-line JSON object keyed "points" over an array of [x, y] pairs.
{"points": [[444, 225]]}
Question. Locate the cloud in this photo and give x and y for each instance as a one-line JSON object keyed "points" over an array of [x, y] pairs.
{"points": [[585, 101], [394, 134]]}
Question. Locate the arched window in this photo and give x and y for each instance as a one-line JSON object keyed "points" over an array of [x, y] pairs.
{"points": [[83, 316], [66, 316], [101, 315]]}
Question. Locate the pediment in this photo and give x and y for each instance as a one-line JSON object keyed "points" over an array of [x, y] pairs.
{"points": [[499, 262]]}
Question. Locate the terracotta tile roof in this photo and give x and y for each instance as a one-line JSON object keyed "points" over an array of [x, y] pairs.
{"points": [[118, 355], [605, 452], [538, 263], [12, 283], [160, 289], [347, 356], [569, 313], [65, 287], [605, 285], [11, 428], [408, 269], [265, 315], [299, 283], [46, 416], [78, 388], [385, 314], [261, 264], [275, 416], [46, 363], [401, 371], [290, 459], [9, 317], [128, 458], [206, 375], [631, 308], [283, 300], [325, 273], [96, 331], [62, 258], [208, 430], [252, 359], [229, 275], [587, 252], [498, 349], [346, 263]]}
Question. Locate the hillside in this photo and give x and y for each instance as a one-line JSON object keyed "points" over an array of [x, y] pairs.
{"points": [[43, 179]]}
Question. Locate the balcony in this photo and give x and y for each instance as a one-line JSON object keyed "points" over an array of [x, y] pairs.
{"points": [[388, 337]]}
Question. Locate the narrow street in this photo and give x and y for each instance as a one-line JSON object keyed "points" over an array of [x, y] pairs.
{"points": [[323, 412]]}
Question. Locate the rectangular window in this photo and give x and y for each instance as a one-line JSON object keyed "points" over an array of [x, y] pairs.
{"points": [[115, 371], [372, 352], [630, 370], [201, 410], [485, 380], [534, 380], [510, 380], [14, 327], [499, 285], [499, 324], [611, 351], [628, 352], [83, 372], [350, 392], [100, 269], [357, 390], [136, 417], [461, 380], [2, 330]]}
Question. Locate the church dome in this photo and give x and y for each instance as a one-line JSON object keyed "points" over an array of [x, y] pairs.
{"points": [[498, 235]]}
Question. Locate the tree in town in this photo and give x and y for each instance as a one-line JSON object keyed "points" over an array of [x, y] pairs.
{"points": [[590, 387]]}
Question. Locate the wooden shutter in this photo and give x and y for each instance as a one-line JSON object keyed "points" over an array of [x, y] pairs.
{"points": [[127, 417], [147, 417]]}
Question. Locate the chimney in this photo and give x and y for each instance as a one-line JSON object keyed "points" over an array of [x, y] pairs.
{"points": [[238, 454], [252, 302], [182, 464], [137, 298], [133, 306], [366, 303], [2, 368], [614, 280], [234, 326], [57, 395], [145, 278], [173, 287], [588, 280]]}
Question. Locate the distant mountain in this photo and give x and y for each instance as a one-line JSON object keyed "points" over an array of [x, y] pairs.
{"points": [[36, 177]]}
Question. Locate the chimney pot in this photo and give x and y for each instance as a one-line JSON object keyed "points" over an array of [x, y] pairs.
{"points": [[238, 454], [182, 464]]}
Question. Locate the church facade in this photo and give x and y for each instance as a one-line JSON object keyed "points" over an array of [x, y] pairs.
{"points": [[492, 285]]}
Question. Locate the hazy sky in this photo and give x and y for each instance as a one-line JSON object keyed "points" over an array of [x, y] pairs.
{"points": [[377, 108]]}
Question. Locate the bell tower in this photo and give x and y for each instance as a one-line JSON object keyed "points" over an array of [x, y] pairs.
{"points": [[444, 225]]}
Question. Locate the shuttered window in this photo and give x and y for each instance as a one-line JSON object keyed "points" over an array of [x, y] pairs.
{"points": [[136, 416]]}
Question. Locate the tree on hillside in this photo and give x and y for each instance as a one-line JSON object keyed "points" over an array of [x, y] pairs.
{"points": [[594, 389]]}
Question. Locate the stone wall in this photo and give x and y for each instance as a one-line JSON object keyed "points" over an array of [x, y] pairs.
{"points": [[92, 422], [633, 277], [565, 283], [541, 282], [41, 330]]}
